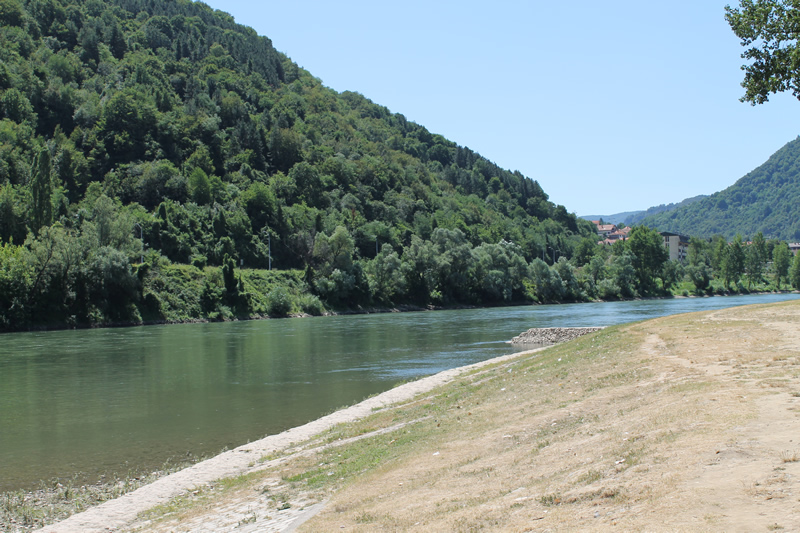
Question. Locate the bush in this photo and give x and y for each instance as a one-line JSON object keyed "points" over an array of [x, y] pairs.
{"points": [[279, 302], [311, 305], [607, 289], [199, 260]]}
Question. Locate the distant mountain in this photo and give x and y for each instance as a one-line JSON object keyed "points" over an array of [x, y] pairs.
{"points": [[637, 216], [612, 219], [766, 200], [631, 218]]}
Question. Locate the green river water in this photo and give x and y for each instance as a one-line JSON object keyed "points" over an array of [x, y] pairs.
{"points": [[87, 402]]}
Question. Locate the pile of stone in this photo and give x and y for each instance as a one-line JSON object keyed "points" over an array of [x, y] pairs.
{"points": [[551, 335]]}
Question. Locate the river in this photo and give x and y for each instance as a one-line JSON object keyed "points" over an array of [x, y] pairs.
{"points": [[87, 402]]}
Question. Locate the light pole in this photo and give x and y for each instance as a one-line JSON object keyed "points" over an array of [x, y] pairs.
{"points": [[554, 253]]}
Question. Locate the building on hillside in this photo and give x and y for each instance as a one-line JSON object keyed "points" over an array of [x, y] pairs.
{"points": [[604, 229], [794, 247], [677, 245], [619, 234]]}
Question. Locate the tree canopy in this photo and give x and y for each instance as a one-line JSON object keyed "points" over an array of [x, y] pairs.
{"points": [[769, 29]]}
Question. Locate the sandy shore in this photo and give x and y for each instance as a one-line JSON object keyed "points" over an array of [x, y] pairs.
{"points": [[123, 511]]}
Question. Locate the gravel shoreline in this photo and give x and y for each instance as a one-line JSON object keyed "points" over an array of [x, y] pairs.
{"points": [[551, 335]]}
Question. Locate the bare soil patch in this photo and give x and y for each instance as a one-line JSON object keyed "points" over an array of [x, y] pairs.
{"points": [[679, 423]]}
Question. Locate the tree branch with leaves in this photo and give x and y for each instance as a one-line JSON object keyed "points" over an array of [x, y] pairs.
{"points": [[769, 29]]}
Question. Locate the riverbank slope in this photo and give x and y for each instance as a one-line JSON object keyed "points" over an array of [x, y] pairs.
{"points": [[687, 422]]}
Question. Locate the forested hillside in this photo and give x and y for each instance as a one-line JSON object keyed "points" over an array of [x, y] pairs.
{"points": [[156, 157], [636, 218], [631, 218], [766, 200]]}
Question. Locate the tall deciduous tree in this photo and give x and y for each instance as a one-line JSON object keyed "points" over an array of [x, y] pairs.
{"points": [[794, 274], [769, 29], [781, 259], [732, 263], [650, 255], [41, 191], [753, 265]]}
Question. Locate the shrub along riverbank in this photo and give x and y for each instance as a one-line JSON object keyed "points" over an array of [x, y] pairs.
{"points": [[57, 295]]}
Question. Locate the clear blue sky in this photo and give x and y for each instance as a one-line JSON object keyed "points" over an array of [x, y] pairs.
{"points": [[612, 106]]}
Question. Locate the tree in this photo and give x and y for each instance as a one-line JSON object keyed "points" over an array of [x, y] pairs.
{"points": [[699, 269], [386, 274], [16, 278], [700, 275], [671, 273], [623, 274], [11, 13], [760, 245], [16, 106], [12, 220], [199, 186], [781, 258], [770, 28], [697, 251], [753, 265], [719, 249], [647, 246], [420, 258], [547, 283], [732, 262], [585, 250], [41, 191], [334, 252], [794, 274]]}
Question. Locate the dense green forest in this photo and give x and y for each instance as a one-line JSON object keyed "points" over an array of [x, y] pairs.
{"points": [[159, 162], [766, 200], [157, 157]]}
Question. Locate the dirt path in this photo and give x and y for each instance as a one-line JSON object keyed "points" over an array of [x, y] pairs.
{"points": [[685, 423]]}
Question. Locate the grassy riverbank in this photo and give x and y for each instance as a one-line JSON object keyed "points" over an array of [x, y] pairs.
{"points": [[686, 422]]}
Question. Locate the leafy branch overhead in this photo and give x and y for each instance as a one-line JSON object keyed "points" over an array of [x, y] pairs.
{"points": [[769, 29]]}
